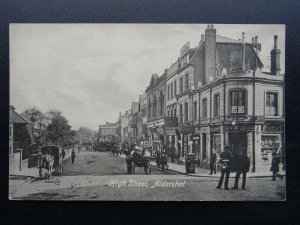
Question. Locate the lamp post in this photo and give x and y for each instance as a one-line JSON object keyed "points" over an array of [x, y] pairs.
{"points": [[233, 122]]}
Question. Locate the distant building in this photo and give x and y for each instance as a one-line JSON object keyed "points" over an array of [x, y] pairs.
{"points": [[108, 132]]}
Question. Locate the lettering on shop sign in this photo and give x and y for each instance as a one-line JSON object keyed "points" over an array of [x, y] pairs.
{"points": [[273, 127], [214, 128], [244, 127]]}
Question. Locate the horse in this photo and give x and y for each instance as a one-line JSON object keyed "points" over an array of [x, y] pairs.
{"points": [[49, 160]]}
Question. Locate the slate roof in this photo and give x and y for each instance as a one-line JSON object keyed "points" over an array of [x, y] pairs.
{"points": [[227, 40]]}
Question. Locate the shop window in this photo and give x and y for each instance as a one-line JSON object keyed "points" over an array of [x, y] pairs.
{"points": [[269, 143], [217, 105], [204, 108], [238, 102], [195, 111], [186, 112], [181, 84], [271, 104], [217, 143], [187, 81]]}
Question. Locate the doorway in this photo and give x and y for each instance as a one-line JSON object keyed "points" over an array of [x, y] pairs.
{"points": [[204, 146], [238, 142]]}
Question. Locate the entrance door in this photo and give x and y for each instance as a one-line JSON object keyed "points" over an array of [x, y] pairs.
{"points": [[204, 146], [238, 142]]}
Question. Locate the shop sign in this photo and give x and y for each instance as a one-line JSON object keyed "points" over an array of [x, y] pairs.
{"points": [[239, 127], [273, 126], [170, 131], [215, 128]]}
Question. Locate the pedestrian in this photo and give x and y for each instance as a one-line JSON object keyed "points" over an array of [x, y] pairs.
{"points": [[63, 153], [73, 154], [275, 166], [213, 160], [242, 167], [172, 153], [225, 160]]}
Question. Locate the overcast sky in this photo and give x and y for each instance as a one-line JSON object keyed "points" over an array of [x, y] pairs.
{"points": [[91, 72]]}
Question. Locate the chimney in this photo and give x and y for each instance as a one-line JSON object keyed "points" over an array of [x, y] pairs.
{"points": [[252, 41], [275, 58], [210, 53], [256, 39], [202, 37], [243, 36]]}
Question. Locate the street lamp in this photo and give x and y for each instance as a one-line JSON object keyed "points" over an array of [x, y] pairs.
{"points": [[233, 122]]}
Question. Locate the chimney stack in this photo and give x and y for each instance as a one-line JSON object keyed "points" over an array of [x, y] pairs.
{"points": [[275, 58], [210, 53], [252, 41], [243, 36], [256, 39]]}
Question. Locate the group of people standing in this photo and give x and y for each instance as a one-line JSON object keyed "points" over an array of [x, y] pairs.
{"points": [[239, 163]]}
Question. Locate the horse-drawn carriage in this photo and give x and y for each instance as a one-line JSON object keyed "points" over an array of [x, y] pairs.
{"points": [[138, 158], [50, 158]]}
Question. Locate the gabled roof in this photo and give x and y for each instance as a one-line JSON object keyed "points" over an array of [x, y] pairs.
{"points": [[14, 117]]}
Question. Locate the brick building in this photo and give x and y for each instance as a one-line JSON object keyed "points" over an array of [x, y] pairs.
{"points": [[108, 131]]}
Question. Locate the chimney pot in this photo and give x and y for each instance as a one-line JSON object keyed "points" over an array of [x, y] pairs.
{"points": [[212, 26], [275, 41], [256, 39], [252, 40], [243, 36]]}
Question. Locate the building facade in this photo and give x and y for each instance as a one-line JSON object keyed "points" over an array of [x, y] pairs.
{"points": [[108, 132], [216, 94]]}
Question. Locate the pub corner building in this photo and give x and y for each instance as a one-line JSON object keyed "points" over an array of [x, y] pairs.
{"points": [[219, 95]]}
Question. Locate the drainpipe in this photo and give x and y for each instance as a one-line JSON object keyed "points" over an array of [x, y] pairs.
{"points": [[253, 114], [243, 40], [224, 111]]}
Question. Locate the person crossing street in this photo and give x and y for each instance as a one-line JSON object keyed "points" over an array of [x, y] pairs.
{"points": [[242, 167], [225, 160], [73, 154], [213, 160]]}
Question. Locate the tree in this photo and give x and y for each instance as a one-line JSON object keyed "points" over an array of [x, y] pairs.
{"points": [[40, 123], [85, 136], [59, 130]]}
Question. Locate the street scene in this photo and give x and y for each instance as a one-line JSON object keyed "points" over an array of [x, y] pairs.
{"points": [[113, 112]]}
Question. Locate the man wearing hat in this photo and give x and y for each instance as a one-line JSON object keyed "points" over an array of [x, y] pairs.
{"points": [[225, 159]]}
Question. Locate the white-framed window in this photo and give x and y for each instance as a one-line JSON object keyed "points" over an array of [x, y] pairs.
{"points": [[271, 105], [181, 84], [238, 102], [217, 105], [187, 81], [195, 111], [204, 108]]}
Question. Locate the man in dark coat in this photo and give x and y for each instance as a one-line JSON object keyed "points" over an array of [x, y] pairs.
{"points": [[225, 160], [73, 156], [242, 165], [275, 166], [213, 159]]}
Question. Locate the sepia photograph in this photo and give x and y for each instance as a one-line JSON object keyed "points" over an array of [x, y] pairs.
{"points": [[147, 112]]}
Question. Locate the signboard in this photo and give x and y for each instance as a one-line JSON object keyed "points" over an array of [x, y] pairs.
{"points": [[239, 127], [215, 128], [273, 126]]}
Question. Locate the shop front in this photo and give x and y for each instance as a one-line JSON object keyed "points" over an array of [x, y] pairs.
{"points": [[272, 139]]}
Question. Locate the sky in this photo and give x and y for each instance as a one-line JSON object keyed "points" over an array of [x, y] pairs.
{"points": [[91, 72]]}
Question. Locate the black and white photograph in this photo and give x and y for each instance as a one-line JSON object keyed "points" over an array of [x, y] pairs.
{"points": [[147, 112]]}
